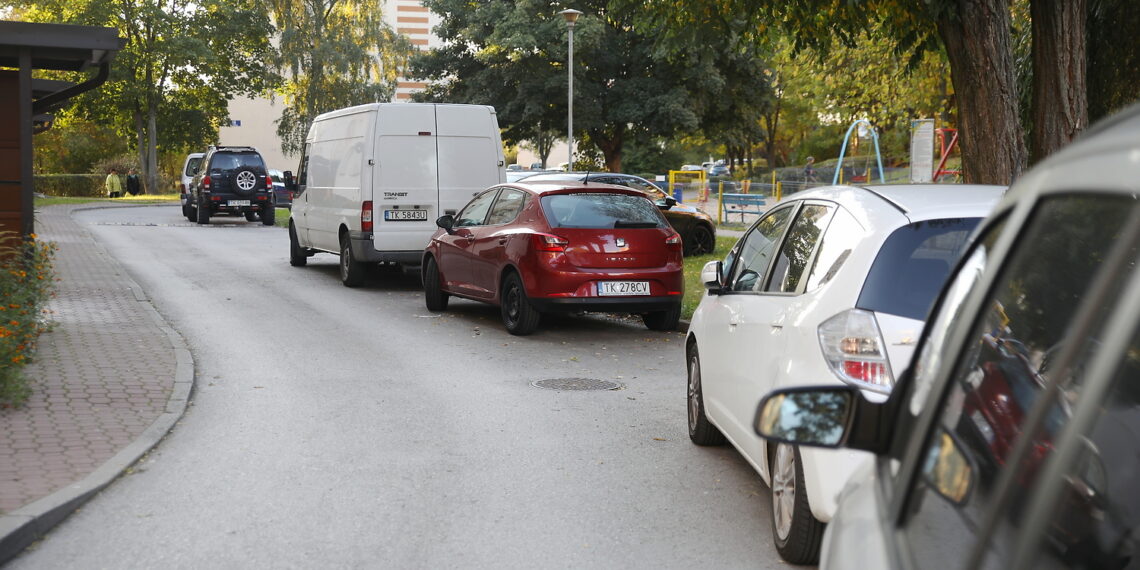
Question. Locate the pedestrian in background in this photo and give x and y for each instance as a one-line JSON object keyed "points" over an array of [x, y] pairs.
{"points": [[113, 184], [133, 186], [809, 170]]}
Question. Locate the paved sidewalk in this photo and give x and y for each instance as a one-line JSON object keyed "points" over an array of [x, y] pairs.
{"points": [[109, 381]]}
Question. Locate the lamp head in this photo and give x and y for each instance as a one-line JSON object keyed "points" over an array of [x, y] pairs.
{"points": [[571, 16]]}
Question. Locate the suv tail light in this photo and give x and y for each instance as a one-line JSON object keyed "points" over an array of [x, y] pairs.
{"points": [[549, 242], [854, 349], [205, 182], [366, 216], [268, 183]]}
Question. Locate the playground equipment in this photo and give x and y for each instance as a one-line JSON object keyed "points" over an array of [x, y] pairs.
{"points": [[843, 151], [947, 148]]}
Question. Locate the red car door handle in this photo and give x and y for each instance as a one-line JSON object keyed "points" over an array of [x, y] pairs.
{"points": [[470, 238]]}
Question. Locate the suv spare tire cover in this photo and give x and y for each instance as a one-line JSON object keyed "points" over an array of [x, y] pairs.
{"points": [[244, 182]]}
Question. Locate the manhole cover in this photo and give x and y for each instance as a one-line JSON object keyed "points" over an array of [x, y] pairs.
{"points": [[576, 384]]}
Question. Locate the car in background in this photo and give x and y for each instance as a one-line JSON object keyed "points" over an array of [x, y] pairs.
{"points": [[692, 167], [719, 170], [516, 175], [1013, 441], [557, 246], [189, 169], [281, 194], [697, 229], [831, 284], [233, 180]]}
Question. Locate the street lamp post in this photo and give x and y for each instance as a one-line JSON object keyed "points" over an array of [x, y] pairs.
{"points": [[571, 17]]}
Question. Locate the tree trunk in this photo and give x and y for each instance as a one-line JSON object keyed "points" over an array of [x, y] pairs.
{"points": [[1060, 103], [771, 125], [140, 136], [978, 46], [150, 169], [611, 146]]}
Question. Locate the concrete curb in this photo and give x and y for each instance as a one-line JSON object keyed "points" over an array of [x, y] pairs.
{"points": [[22, 527]]}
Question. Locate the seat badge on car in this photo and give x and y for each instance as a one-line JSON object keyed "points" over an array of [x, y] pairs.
{"points": [[620, 242]]}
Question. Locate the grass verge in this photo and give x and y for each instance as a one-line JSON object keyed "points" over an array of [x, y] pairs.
{"points": [[694, 288]]}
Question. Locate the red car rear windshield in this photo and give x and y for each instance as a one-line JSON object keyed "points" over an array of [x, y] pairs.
{"points": [[598, 210]]}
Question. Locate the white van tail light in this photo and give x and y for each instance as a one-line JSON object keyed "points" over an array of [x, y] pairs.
{"points": [[366, 216], [854, 349]]}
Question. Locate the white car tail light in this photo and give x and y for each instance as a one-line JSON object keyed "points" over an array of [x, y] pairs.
{"points": [[854, 349]]}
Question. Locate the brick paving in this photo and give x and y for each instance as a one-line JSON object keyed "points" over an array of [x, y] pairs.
{"points": [[108, 380]]}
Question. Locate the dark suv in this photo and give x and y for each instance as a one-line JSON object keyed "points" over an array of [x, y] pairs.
{"points": [[233, 181]]}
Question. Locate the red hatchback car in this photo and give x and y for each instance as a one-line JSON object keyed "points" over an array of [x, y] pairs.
{"points": [[562, 246]]}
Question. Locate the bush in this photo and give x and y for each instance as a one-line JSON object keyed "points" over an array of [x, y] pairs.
{"points": [[70, 185], [26, 279]]}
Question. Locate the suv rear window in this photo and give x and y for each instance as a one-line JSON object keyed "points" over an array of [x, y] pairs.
{"points": [[226, 161], [912, 266], [599, 210]]}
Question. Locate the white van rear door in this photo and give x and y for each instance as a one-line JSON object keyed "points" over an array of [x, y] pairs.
{"points": [[405, 177], [470, 153]]}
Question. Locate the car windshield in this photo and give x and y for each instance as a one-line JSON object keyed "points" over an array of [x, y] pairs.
{"points": [[913, 264], [600, 210]]}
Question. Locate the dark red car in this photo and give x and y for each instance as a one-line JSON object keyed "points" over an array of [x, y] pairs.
{"points": [[563, 246]]}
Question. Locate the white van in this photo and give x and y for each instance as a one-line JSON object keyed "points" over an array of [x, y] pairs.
{"points": [[373, 179]]}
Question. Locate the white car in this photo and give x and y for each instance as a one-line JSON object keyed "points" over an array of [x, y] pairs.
{"points": [[1013, 441], [830, 284], [189, 169]]}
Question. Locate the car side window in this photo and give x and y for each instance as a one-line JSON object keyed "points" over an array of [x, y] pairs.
{"points": [[507, 207], [303, 169], [754, 253], [798, 248], [1096, 519], [998, 380], [475, 213], [654, 193], [838, 241]]}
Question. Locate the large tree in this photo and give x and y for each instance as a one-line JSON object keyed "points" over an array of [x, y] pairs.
{"points": [[977, 40], [334, 54], [513, 55], [184, 60]]}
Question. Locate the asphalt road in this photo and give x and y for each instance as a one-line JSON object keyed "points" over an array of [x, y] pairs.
{"points": [[336, 427]]}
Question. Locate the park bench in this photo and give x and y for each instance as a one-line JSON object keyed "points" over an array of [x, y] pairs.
{"points": [[742, 204]]}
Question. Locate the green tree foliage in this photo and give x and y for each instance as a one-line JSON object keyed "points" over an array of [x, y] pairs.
{"points": [[512, 55], [74, 145], [861, 81], [183, 61], [974, 34], [335, 53]]}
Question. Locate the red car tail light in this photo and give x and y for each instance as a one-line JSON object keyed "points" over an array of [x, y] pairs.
{"points": [[549, 242], [366, 216], [673, 241]]}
